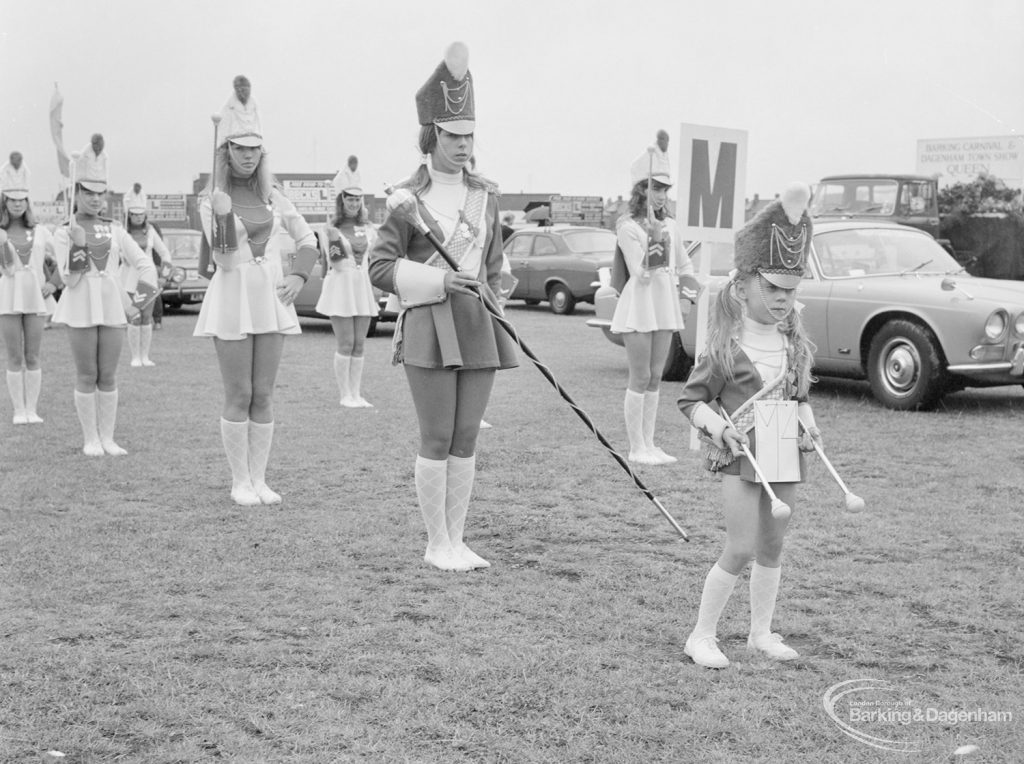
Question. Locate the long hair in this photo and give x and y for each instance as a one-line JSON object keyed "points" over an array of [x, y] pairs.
{"points": [[28, 219], [262, 181], [419, 181], [128, 226], [638, 203], [362, 217], [726, 323]]}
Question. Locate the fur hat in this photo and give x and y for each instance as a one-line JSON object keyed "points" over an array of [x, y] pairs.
{"points": [[446, 99], [651, 161], [776, 241]]}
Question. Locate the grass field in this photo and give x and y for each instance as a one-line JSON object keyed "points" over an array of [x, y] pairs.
{"points": [[146, 618]]}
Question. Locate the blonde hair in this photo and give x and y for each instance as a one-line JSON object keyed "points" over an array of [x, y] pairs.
{"points": [[262, 181], [726, 323]]}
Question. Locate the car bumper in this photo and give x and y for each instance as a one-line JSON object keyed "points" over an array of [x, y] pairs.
{"points": [[999, 372], [184, 293]]}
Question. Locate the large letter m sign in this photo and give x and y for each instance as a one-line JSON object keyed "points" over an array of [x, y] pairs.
{"points": [[711, 196]]}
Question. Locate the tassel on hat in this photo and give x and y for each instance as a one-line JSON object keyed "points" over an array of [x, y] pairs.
{"points": [[447, 98]]}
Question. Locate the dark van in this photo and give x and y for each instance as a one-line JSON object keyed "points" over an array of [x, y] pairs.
{"points": [[908, 199]]}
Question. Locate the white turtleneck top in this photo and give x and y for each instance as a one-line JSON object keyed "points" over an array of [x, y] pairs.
{"points": [[445, 198], [765, 347]]}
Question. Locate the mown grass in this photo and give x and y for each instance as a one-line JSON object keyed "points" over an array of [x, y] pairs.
{"points": [[146, 618]]}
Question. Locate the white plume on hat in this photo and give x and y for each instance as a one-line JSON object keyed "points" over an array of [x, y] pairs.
{"points": [[456, 58], [14, 183], [795, 199]]}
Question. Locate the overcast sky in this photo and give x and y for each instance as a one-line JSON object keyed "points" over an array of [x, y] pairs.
{"points": [[568, 93]]}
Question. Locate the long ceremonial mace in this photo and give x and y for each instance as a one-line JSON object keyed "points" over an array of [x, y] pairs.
{"points": [[215, 118], [405, 204]]}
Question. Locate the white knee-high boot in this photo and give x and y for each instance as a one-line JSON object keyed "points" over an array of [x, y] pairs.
{"points": [[235, 437], [85, 405], [106, 419], [16, 387], [261, 436], [145, 342], [134, 337], [461, 473], [355, 379], [650, 418], [342, 373], [33, 384], [633, 410], [431, 488]]}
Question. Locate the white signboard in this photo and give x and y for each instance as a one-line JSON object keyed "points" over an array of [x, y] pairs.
{"points": [[310, 197], [586, 210], [962, 160], [712, 182], [711, 202], [54, 213], [166, 207]]}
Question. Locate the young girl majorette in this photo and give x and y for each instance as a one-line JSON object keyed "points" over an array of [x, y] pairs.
{"points": [[347, 295], [140, 333], [249, 305], [757, 367], [26, 296], [449, 343], [648, 310], [94, 304]]}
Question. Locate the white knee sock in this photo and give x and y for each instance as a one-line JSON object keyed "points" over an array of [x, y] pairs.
{"points": [[33, 384], [342, 364], [235, 437], [431, 489], [459, 487], [145, 343], [134, 335], [764, 589], [16, 387], [355, 381], [633, 409], [106, 419], [718, 588], [261, 436], [650, 418], [85, 405]]}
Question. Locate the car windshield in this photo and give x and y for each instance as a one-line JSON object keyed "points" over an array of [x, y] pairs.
{"points": [[858, 252], [855, 197], [590, 241], [183, 245]]}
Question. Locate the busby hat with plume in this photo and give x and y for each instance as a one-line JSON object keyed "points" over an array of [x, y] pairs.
{"points": [[14, 181], [240, 122], [651, 161], [446, 99], [776, 242], [91, 168]]}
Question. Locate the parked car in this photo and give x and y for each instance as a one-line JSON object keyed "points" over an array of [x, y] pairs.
{"points": [[305, 303], [184, 286], [887, 303], [558, 264], [908, 199]]}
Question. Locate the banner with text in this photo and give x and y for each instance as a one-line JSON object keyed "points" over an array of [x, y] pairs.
{"points": [[581, 210], [310, 197], [712, 182], [164, 208], [962, 160]]}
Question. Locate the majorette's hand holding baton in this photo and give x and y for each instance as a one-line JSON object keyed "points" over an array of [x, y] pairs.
{"points": [[780, 509], [405, 204], [854, 503]]}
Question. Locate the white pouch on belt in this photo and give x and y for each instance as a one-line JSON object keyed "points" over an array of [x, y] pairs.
{"points": [[776, 441]]}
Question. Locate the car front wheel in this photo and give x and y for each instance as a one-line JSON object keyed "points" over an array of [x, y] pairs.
{"points": [[561, 299], [905, 367]]}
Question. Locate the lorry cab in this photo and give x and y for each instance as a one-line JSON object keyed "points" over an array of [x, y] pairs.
{"points": [[908, 199]]}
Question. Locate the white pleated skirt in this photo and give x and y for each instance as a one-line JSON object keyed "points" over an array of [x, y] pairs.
{"points": [[243, 301], [347, 293], [94, 301], [21, 292], [648, 305]]}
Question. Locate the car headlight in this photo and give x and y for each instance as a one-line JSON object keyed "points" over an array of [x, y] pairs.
{"points": [[995, 325], [1018, 325], [177, 275]]}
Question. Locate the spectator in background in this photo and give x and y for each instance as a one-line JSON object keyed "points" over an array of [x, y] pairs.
{"points": [[347, 177], [506, 226]]}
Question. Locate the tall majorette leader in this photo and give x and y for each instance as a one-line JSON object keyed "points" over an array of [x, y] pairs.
{"points": [[249, 305], [95, 304], [449, 343], [749, 392]]}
